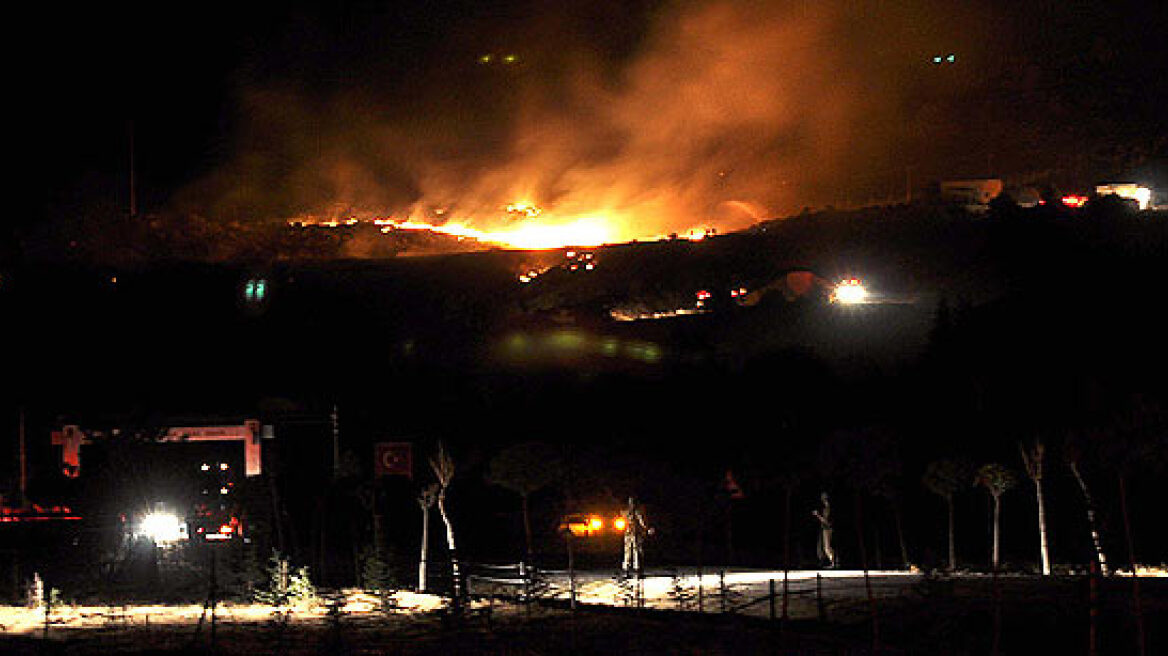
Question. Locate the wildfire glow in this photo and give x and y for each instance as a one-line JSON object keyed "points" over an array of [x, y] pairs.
{"points": [[580, 232], [1131, 191], [527, 233]]}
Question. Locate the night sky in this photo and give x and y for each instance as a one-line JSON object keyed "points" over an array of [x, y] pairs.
{"points": [[1062, 92], [679, 112]]}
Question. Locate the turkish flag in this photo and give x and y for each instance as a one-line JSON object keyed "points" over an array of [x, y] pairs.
{"points": [[733, 487], [393, 459]]}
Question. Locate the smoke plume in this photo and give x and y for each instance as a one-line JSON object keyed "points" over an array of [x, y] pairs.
{"points": [[684, 115]]}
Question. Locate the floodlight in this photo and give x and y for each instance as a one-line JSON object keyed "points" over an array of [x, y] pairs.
{"points": [[849, 292], [162, 528]]}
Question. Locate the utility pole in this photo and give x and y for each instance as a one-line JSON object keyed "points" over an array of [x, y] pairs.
{"points": [[23, 464], [336, 444], [133, 185]]}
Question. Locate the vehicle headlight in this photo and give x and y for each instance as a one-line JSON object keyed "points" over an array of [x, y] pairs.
{"points": [[162, 527]]}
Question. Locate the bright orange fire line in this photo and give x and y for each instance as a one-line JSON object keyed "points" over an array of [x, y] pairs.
{"points": [[584, 232]]}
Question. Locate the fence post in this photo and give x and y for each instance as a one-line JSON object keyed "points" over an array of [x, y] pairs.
{"points": [[867, 579], [528, 584], [1137, 607], [996, 645], [819, 597], [771, 586], [786, 594], [1093, 603], [722, 589], [701, 590], [491, 612], [523, 576], [571, 571], [214, 595]]}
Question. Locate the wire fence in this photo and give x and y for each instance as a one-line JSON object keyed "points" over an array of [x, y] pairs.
{"points": [[694, 590], [1086, 612]]}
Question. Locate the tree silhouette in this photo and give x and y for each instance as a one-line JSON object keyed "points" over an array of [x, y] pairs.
{"points": [[525, 469], [945, 478], [427, 496], [443, 467], [1073, 448], [1033, 457], [997, 480], [868, 461]]}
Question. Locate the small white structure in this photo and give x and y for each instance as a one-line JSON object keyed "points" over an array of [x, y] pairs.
{"points": [[1130, 190], [974, 195]]}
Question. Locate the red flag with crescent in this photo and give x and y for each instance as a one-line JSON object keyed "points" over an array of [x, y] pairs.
{"points": [[393, 459], [732, 486]]}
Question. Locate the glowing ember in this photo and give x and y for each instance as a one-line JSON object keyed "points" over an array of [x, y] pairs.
{"points": [[623, 314], [524, 209]]}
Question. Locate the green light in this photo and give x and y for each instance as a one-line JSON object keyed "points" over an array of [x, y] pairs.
{"points": [[254, 290], [937, 59], [645, 351], [951, 58], [566, 340]]}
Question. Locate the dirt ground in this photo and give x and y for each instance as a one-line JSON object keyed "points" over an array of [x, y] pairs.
{"points": [[942, 616], [509, 632]]}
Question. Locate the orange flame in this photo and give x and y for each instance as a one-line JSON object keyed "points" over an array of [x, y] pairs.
{"points": [[530, 233]]}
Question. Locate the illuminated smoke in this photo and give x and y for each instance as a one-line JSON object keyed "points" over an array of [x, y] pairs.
{"points": [[727, 113]]}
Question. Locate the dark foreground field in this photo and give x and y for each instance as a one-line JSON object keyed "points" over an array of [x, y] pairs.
{"points": [[940, 616]]}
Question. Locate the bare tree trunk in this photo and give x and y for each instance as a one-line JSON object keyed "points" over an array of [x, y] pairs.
{"points": [[900, 535], [1033, 459], [322, 525], [425, 549], [277, 514], [786, 551], [455, 573], [1091, 522], [1044, 549], [997, 528], [527, 527], [729, 531], [378, 532], [952, 534], [867, 578], [1137, 605]]}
